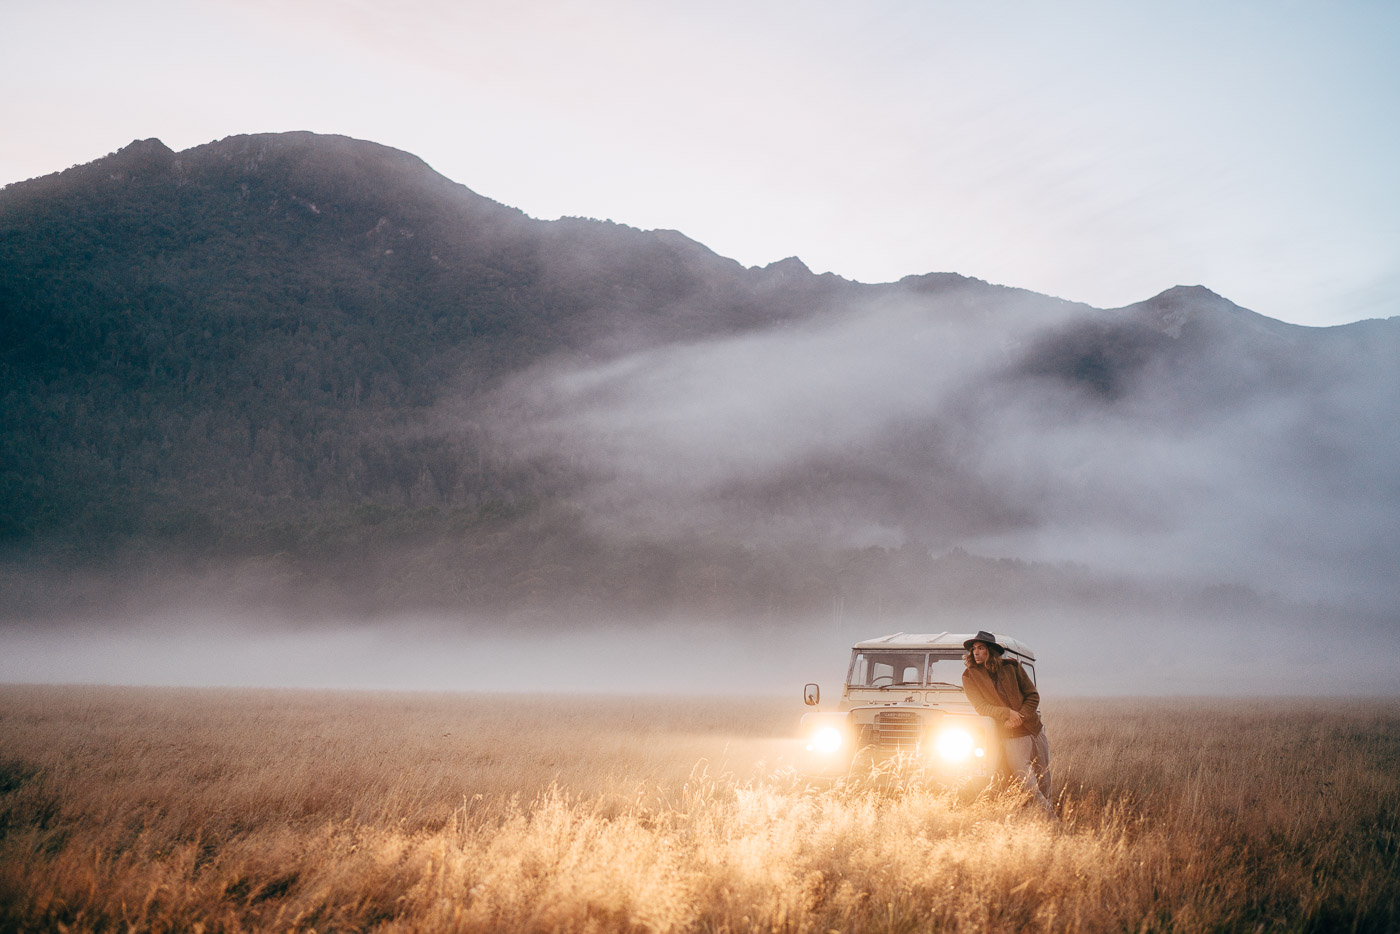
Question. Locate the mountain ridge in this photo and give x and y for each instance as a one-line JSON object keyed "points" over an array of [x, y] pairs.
{"points": [[152, 154]]}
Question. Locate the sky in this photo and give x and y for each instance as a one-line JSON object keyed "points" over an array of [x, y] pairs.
{"points": [[1093, 150]]}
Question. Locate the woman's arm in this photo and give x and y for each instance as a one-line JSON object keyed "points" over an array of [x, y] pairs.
{"points": [[976, 692]]}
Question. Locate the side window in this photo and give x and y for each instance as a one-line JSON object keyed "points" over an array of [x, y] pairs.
{"points": [[1030, 670]]}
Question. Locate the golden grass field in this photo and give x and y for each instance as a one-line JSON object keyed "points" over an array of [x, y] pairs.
{"points": [[223, 810]]}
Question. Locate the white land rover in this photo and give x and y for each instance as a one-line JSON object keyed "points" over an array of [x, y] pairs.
{"points": [[903, 702]]}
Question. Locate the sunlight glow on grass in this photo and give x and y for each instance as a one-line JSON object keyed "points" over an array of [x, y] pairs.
{"points": [[261, 811]]}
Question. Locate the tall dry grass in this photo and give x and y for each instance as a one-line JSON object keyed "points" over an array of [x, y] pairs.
{"points": [[181, 810]]}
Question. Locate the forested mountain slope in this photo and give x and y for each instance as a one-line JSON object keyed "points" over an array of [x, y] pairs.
{"points": [[317, 355], [254, 318]]}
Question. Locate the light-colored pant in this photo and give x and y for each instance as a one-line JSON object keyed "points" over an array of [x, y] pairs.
{"points": [[1028, 759]]}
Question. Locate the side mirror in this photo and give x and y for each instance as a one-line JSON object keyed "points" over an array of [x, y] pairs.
{"points": [[811, 695]]}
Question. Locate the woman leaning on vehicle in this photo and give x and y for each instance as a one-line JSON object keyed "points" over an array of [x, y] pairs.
{"points": [[1000, 688]]}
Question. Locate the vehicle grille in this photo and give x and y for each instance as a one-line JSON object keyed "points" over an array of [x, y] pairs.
{"points": [[898, 728]]}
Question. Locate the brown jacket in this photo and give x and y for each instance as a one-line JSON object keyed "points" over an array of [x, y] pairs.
{"points": [[1020, 694]]}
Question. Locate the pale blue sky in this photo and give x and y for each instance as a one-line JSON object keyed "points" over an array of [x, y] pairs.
{"points": [[1099, 151]]}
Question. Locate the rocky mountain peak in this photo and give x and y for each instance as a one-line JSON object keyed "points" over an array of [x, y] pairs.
{"points": [[788, 268], [1186, 307], [141, 157]]}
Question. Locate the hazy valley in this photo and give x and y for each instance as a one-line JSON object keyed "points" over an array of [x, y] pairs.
{"points": [[306, 379]]}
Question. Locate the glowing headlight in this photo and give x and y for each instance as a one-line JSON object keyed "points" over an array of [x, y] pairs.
{"points": [[954, 744], [827, 739]]}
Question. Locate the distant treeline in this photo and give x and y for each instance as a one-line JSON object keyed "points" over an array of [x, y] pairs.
{"points": [[538, 564]]}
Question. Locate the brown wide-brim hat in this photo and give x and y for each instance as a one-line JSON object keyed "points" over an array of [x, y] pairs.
{"points": [[985, 636]]}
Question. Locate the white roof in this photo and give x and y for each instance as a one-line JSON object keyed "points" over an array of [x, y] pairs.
{"points": [[941, 640]]}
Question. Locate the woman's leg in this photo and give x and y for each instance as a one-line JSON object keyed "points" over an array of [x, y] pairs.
{"points": [[1020, 756], [1040, 746]]}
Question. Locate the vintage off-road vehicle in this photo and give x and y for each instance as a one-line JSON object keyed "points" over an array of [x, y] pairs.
{"points": [[903, 704]]}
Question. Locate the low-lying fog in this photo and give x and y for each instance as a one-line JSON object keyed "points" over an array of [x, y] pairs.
{"points": [[1244, 451], [1080, 653]]}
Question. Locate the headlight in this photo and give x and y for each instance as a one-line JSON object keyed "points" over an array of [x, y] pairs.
{"points": [[954, 744], [827, 740]]}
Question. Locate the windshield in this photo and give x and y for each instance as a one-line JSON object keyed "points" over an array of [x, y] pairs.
{"points": [[939, 669]]}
